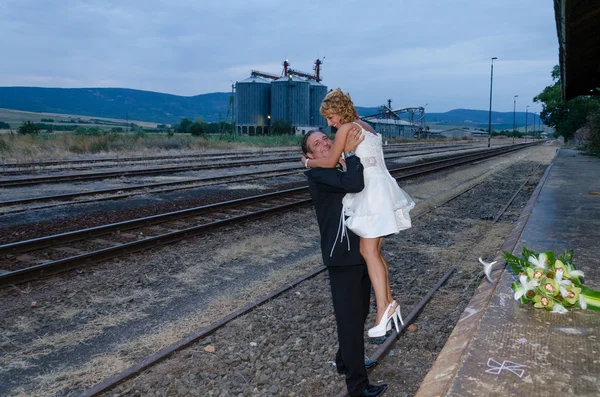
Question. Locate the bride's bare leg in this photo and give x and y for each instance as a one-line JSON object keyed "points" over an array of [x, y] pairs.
{"points": [[369, 249], [387, 273]]}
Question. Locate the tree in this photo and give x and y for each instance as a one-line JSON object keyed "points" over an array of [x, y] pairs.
{"points": [[281, 127], [564, 117], [594, 124], [4, 126], [183, 126], [196, 129], [28, 128]]}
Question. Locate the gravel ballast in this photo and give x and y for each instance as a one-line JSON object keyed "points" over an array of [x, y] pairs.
{"points": [[284, 347]]}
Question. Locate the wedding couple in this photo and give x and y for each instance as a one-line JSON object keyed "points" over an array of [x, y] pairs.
{"points": [[357, 203]]}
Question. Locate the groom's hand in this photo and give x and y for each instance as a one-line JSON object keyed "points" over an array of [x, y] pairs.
{"points": [[353, 139]]}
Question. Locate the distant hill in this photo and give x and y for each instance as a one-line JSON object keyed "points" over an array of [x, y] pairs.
{"points": [[124, 103], [118, 103], [468, 118]]}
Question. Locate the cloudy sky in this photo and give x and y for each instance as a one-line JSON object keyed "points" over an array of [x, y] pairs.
{"points": [[434, 52]]}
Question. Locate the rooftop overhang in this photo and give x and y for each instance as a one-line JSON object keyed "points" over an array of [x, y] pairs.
{"points": [[578, 29]]}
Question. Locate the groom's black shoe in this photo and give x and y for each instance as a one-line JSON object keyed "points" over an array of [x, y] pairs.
{"points": [[368, 365], [374, 391]]}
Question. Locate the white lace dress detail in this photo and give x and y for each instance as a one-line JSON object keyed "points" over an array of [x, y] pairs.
{"points": [[382, 207]]}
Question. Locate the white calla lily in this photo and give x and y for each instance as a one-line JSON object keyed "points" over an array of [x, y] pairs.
{"points": [[576, 273], [563, 291], [582, 302], [525, 286], [562, 284], [487, 268], [540, 261], [558, 308]]}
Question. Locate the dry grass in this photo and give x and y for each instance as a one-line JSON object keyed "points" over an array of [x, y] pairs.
{"points": [[221, 306], [241, 255], [46, 344], [24, 325], [55, 382], [262, 248], [125, 354], [61, 145], [140, 296], [247, 186], [258, 250]]}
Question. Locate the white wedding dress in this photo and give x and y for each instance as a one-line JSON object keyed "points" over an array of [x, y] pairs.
{"points": [[382, 207]]}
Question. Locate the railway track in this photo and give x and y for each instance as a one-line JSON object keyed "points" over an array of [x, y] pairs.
{"points": [[137, 159], [172, 158], [128, 191], [124, 192], [87, 176], [379, 355], [165, 353], [224, 331], [32, 259]]}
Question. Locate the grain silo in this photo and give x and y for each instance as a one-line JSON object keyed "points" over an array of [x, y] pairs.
{"points": [[317, 93], [290, 99], [252, 102]]}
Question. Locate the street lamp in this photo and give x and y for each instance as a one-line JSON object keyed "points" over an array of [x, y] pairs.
{"points": [[526, 114], [514, 119], [490, 118]]}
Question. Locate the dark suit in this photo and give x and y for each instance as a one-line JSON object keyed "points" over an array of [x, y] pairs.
{"points": [[348, 276]]}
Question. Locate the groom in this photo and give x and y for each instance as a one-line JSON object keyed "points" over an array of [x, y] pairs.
{"points": [[348, 276]]}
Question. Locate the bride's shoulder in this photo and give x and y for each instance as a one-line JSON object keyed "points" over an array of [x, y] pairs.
{"points": [[367, 127], [344, 128]]}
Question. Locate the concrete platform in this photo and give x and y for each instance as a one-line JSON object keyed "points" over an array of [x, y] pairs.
{"points": [[502, 348]]}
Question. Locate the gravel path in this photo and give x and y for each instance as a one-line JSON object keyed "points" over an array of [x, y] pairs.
{"points": [[96, 322]]}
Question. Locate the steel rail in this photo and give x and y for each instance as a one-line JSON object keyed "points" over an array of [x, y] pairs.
{"points": [[70, 196], [48, 163], [391, 339], [48, 241], [85, 176], [503, 210], [462, 159], [166, 352], [100, 167], [65, 264], [77, 235], [73, 262]]}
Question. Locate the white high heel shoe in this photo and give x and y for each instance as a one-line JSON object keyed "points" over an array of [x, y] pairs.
{"points": [[398, 313], [381, 328]]}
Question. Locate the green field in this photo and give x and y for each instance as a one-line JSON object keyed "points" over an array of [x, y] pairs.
{"points": [[16, 117]]}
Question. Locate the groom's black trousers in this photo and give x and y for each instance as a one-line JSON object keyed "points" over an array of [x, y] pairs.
{"points": [[351, 290]]}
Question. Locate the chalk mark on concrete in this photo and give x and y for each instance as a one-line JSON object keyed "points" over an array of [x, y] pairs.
{"points": [[496, 367]]}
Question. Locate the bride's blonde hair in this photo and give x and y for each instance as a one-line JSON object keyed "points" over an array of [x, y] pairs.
{"points": [[340, 103]]}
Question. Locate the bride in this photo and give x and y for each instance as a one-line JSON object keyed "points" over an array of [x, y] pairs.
{"points": [[380, 209]]}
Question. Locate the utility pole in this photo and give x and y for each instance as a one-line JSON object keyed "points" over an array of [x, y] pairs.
{"points": [[232, 107], [490, 118], [514, 118], [526, 116]]}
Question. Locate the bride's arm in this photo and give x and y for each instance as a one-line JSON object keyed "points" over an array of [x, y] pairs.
{"points": [[336, 150]]}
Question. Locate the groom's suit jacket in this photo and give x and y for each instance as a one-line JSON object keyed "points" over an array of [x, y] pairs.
{"points": [[327, 187]]}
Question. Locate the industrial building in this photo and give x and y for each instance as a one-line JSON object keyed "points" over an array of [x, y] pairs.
{"points": [[389, 123], [264, 99], [294, 96]]}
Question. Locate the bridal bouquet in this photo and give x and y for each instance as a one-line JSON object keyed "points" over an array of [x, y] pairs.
{"points": [[548, 282]]}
